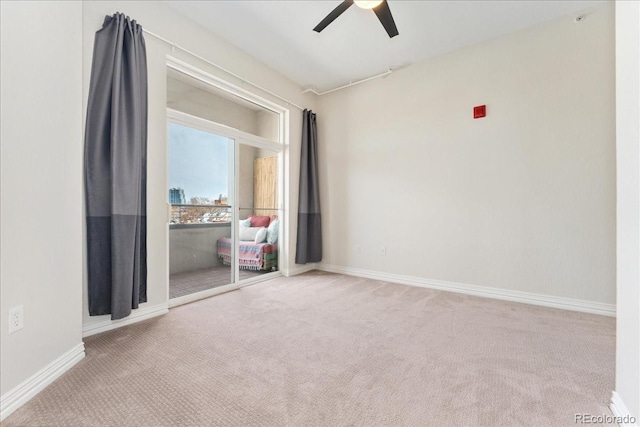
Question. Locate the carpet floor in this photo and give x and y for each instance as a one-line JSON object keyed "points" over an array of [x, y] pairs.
{"points": [[323, 349]]}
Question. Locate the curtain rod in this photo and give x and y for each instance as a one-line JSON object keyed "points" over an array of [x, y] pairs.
{"points": [[195, 55], [357, 82]]}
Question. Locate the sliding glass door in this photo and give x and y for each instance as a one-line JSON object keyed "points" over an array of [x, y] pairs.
{"points": [[259, 203], [225, 201], [200, 193]]}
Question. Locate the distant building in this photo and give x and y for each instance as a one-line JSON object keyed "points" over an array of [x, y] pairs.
{"points": [[221, 200], [176, 196]]}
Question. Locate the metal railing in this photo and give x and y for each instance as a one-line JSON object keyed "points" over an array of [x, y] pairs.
{"points": [[199, 214]]}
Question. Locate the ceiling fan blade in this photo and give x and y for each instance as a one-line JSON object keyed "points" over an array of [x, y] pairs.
{"points": [[386, 19], [346, 4]]}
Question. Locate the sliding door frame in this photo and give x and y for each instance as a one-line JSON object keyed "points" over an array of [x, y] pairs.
{"points": [[239, 137]]}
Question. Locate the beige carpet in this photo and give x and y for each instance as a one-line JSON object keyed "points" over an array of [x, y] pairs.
{"points": [[331, 350]]}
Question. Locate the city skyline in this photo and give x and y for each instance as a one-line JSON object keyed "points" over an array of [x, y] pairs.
{"points": [[177, 197]]}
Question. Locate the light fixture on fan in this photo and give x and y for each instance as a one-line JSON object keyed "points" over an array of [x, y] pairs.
{"points": [[367, 4], [379, 7]]}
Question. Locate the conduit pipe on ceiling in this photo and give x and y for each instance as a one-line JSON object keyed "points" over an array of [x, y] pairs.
{"points": [[352, 83], [195, 55]]}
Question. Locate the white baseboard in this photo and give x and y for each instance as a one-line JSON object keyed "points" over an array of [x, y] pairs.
{"points": [[21, 394], [299, 269], [482, 291], [137, 315], [620, 411]]}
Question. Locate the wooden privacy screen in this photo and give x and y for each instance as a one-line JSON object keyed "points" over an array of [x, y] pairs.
{"points": [[265, 184]]}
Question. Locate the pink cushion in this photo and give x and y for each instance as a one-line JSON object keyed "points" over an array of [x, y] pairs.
{"points": [[259, 221]]}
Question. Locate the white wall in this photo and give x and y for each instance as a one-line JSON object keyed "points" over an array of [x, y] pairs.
{"points": [[522, 200], [41, 211], [159, 18], [628, 170], [189, 97]]}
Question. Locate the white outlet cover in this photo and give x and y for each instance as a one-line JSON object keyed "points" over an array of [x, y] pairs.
{"points": [[16, 319]]}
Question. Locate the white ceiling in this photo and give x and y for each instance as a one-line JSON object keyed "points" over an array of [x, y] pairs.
{"points": [[355, 46]]}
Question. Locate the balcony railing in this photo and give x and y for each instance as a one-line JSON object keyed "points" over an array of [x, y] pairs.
{"points": [[200, 214]]}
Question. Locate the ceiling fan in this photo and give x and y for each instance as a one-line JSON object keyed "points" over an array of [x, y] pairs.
{"points": [[379, 7]]}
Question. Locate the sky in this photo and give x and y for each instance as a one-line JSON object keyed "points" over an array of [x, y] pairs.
{"points": [[198, 162]]}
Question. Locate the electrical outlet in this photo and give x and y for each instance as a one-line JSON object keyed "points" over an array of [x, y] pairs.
{"points": [[383, 250], [358, 248], [16, 319]]}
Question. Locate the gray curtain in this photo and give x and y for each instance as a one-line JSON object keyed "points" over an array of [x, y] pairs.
{"points": [[309, 243], [115, 169]]}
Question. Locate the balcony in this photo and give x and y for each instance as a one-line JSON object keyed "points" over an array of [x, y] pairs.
{"points": [[194, 265]]}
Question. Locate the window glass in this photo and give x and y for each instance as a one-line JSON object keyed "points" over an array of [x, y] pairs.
{"points": [[198, 175]]}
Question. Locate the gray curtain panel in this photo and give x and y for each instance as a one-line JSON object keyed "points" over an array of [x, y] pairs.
{"points": [[309, 243], [116, 169]]}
